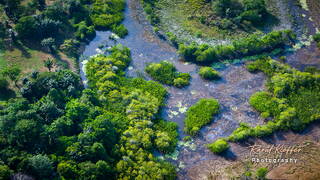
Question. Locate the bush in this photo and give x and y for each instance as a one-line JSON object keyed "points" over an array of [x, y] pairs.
{"points": [[200, 114], [316, 37], [209, 73], [261, 173], [84, 32], [166, 73], [71, 47], [120, 30], [218, 146]]}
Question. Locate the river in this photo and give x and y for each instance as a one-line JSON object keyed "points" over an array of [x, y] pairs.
{"points": [[232, 91]]}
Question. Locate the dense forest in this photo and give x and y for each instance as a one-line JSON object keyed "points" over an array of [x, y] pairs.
{"points": [[57, 129]]}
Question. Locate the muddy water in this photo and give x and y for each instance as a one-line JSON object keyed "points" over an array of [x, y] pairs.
{"points": [[232, 91]]}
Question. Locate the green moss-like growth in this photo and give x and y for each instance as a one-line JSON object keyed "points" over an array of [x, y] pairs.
{"points": [[209, 73], [166, 73], [218, 146], [200, 114], [316, 38]]}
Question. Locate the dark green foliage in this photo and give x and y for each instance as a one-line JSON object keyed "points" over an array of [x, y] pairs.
{"points": [[252, 11], [41, 166], [251, 45], [84, 32], [166, 73], [71, 47], [26, 27], [12, 73], [37, 87], [316, 38], [200, 114], [209, 73], [218, 146], [152, 16]]}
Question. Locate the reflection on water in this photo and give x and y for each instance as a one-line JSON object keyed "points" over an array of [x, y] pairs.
{"points": [[232, 91]]}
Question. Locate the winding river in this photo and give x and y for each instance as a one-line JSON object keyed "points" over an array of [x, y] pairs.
{"points": [[232, 91]]}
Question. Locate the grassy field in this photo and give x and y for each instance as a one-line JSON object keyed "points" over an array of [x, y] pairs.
{"points": [[183, 18]]}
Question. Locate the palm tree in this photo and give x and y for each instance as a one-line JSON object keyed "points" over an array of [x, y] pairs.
{"points": [[49, 64]]}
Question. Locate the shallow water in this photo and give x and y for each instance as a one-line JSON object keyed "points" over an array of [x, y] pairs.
{"points": [[232, 91]]}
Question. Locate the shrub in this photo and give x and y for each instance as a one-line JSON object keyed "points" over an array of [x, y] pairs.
{"points": [[209, 73], [218, 146], [70, 47], [265, 103], [316, 37], [200, 114], [166, 73], [120, 30], [261, 173], [84, 32]]}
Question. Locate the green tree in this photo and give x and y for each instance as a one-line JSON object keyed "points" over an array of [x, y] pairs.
{"points": [[13, 73], [67, 170], [26, 27], [5, 172], [41, 166], [49, 64]]}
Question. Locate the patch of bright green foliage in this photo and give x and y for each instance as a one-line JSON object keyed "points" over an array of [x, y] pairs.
{"points": [[209, 73], [166, 73], [218, 146], [292, 100], [200, 114]]}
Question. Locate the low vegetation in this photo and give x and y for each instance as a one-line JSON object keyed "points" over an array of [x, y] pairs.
{"points": [[209, 73], [292, 100], [200, 114], [316, 38], [218, 146], [166, 73], [252, 45]]}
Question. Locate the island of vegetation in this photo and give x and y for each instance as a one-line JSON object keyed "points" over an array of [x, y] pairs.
{"points": [[200, 114], [292, 100], [209, 73], [166, 73]]}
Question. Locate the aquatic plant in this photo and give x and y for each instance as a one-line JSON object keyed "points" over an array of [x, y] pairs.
{"points": [[200, 114]]}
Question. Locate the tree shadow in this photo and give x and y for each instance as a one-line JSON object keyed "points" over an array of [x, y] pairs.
{"points": [[6, 94], [23, 50]]}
